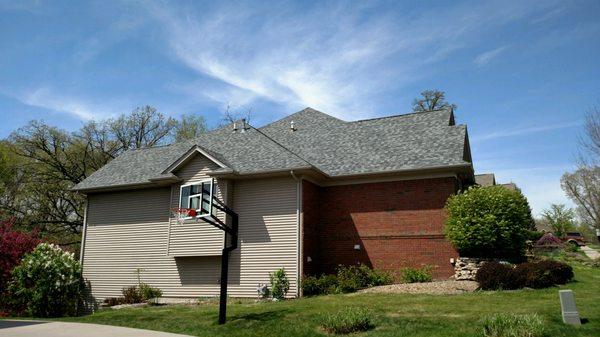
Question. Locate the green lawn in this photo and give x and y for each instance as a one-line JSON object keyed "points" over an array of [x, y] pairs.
{"points": [[396, 315]]}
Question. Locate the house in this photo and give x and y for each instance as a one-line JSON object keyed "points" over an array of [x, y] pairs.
{"points": [[489, 179], [311, 191]]}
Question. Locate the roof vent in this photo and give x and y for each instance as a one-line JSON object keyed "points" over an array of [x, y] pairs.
{"points": [[292, 126], [243, 125], [235, 127]]}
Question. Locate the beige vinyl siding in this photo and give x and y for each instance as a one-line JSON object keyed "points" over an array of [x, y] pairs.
{"points": [[195, 238], [130, 230]]}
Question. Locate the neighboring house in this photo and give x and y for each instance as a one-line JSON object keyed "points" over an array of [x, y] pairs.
{"points": [[489, 179], [311, 195]]}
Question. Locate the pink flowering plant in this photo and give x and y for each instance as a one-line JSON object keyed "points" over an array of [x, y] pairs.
{"points": [[47, 282]]}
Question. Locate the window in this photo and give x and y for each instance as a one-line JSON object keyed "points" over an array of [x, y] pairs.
{"points": [[197, 196]]}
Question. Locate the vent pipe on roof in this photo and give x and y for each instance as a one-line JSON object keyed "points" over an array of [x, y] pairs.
{"points": [[234, 127], [243, 125], [292, 126]]}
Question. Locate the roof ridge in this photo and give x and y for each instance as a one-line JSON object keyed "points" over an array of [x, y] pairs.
{"points": [[284, 147], [399, 115], [303, 110]]}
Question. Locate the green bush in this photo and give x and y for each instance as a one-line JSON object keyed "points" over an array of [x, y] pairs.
{"points": [[47, 282], [279, 284], [488, 222], [149, 293], [513, 325], [416, 275], [348, 321], [324, 284], [541, 274], [356, 277]]}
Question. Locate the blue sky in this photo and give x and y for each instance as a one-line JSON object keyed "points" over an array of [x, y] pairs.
{"points": [[522, 73]]}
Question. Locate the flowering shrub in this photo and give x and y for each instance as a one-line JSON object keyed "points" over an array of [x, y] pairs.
{"points": [[13, 245], [47, 282]]}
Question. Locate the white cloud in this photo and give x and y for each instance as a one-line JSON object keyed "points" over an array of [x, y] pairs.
{"points": [[484, 58], [331, 57], [46, 98], [523, 131]]}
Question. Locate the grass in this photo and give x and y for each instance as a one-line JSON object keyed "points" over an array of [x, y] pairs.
{"points": [[513, 325], [347, 321], [393, 314]]}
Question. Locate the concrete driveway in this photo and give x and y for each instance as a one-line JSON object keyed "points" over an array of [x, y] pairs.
{"points": [[590, 252], [21, 328]]}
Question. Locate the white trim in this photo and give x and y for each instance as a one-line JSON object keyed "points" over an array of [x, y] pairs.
{"points": [[210, 206], [190, 153], [84, 233], [298, 234]]}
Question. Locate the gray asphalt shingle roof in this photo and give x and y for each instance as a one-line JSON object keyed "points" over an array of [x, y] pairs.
{"points": [[328, 144]]}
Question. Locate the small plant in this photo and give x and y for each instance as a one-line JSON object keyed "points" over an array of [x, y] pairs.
{"points": [[148, 293], [280, 284], [348, 321], [513, 325], [353, 278], [416, 275], [47, 282], [112, 301], [131, 295]]}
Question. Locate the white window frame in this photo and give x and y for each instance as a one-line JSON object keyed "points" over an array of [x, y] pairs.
{"points": [[198, 211]]}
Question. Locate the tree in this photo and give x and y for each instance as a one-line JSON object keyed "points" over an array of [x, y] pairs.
{"points": [[431, 100], [45, 162], [560, 219], [590, 143], [190, 127], [583, 187]]}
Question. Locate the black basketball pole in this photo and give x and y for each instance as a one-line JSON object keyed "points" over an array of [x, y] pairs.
{"points": [[231, 233]]}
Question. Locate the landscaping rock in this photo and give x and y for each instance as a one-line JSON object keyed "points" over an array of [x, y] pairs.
{"points": [[134, 305], [436, 288], [466, 268]]}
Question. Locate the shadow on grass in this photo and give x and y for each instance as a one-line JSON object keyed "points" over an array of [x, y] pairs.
{"points": [[260, 316]]}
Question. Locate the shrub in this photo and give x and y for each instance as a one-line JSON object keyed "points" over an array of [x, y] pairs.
{"points": [[348, 321], [47, 282], [324, 284], [494, 276], [279, 284], [112, 301], [548, 239], [534, 235], [488, 222], [148, 293], [513, 325], [542, 274], [13, 245], [131, 295], [416, 275], [353, 278]]}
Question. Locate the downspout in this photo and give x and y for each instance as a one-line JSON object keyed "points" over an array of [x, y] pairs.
{"points": [[299, 248]]}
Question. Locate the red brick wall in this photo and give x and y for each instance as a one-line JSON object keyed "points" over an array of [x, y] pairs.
{"points": [[396, 224], [310, 230]]}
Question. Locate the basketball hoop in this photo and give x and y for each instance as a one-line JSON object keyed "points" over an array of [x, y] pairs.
{"points": [[183, 213]]}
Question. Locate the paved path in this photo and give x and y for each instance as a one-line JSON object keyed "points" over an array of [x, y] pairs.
{"points": [[591, 253], [22, 328]]}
